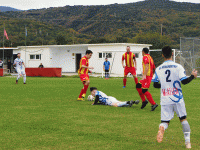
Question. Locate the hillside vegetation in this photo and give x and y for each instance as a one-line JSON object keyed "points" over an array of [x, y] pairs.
{"points": [[141, 22]]}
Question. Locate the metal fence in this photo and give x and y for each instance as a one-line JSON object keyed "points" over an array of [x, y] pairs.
{"points": [[189, 54]]}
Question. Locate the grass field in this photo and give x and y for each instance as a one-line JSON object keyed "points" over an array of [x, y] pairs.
{"points": [[44, 114]]}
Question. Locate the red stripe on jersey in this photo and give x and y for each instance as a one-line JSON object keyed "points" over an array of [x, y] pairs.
{"points": [[147, 59], [128, 59], [83, 61]]}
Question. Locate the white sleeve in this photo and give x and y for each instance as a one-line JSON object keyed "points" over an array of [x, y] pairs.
{"points": [[155, 77], [14, 61], [182, 74]]}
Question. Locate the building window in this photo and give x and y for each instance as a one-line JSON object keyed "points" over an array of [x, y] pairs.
{"points": [[36, 57], [105, 55]]}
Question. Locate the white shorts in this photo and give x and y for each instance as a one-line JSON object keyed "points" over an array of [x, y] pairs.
{"points": [[20, 71], [112, 101], [167, 111]]}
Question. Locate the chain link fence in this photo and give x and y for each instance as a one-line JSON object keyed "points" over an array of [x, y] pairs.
{"points": [[189, 54]]}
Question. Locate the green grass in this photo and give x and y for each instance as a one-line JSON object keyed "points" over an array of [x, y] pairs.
{"points": [[44, 114]]}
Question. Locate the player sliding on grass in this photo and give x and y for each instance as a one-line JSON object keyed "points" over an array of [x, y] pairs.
{"points": [[83, 73], [171, 75], [19, 68], [102, 99]]}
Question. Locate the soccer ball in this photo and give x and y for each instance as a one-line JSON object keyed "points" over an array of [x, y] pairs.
{"points": [[90, 98]]}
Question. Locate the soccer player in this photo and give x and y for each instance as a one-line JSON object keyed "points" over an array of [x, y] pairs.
{"points": [[130, 60], [102, 99], [144, 84], [171, 75], [106, 68], [18, 62], [83, 73]]}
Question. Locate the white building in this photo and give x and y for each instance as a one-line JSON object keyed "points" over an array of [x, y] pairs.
{"points": [[67, 57]]}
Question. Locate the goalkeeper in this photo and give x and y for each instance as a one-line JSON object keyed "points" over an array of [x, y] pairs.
{"points": [[102, 99], [106, 68]]}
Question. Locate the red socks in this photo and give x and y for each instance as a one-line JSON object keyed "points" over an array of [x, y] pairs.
{"points": [[85, 89], [80, 95], [124, 81], [141, 94], [149, 97]]}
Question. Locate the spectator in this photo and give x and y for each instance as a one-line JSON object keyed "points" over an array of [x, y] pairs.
{"points": [[9, 65], [41, 65], [1, 63]]}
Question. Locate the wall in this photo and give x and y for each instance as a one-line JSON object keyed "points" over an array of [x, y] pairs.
{"points": [[61, 56], [33, 50]]}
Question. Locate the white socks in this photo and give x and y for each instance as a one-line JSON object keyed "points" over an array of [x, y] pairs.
{"points": [[186, 130]]}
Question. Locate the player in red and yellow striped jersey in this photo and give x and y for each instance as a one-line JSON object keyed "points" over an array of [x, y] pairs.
{"points": [[130, 60], [144, 84], [83, 73]]}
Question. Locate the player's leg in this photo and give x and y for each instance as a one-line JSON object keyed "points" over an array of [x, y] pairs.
{"points": [[133, 72], [18, 75], [167, 113], [126, 71], [24, 76], [124, 81], [108, 74], [86, 85], [112, 101], [145, 87], [81, 93], [139, 89], [105, 74], [181, 113]]}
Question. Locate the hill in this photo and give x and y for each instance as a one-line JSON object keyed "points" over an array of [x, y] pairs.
{"points": [[5, 8], [141, 22]]}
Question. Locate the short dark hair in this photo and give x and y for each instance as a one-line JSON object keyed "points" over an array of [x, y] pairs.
{"points": [[167, 51], [18, 53], [88, 52], [93, 88], [145, 50], [128, 46]]}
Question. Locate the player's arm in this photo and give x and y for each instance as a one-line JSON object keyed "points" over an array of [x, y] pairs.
{"points": [[189, 79], [97, 100], [135, 63], [14, 63], [24, 64], [145, 71], [123, 61]]}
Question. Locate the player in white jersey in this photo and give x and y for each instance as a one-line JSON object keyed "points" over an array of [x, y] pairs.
{"points": [[171, 75], [102, 99], [19, 68]]}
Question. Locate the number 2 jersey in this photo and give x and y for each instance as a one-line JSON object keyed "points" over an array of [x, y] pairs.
{"points": [[170, 75], [18, 62]]}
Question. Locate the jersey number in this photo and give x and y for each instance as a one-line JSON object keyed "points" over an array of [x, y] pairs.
{"points": [[168, 72]]}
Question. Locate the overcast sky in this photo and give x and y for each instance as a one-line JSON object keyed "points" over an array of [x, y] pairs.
{"points": [[37, 4]]}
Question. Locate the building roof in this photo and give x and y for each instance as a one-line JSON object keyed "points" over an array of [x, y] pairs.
{"points": [[101, 44]]}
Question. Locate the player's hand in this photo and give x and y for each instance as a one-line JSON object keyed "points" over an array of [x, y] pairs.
{"points": [[194, 73], [90, 71], [135, 68], [91, 67], [144, 77], [123, 66]]}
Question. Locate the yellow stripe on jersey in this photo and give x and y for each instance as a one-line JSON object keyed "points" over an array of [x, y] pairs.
{"points": [[127, 58], [132, 65]]}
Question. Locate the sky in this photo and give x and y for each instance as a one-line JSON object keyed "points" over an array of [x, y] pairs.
{"points": [[38, 4]]}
